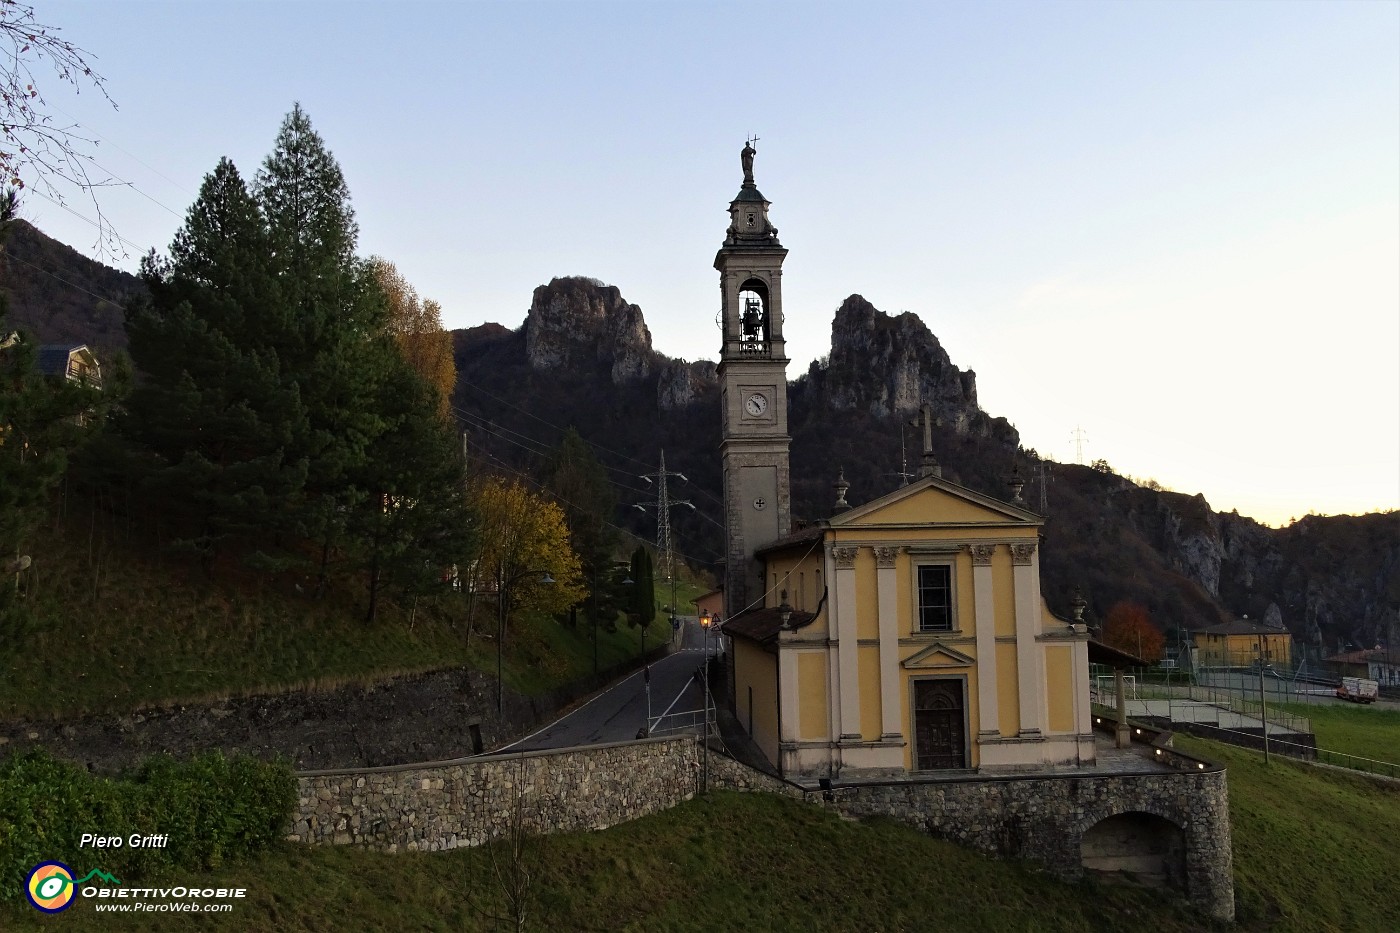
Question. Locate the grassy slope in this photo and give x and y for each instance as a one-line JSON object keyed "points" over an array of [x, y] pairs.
{"points": [[1368, 731], [732, 862], [1314, 848], [113, 632], [1312, 854]]}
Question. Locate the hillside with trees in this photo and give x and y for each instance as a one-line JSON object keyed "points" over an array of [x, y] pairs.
{"points": [[583, 362]]}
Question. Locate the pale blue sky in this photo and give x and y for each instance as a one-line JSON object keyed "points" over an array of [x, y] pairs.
{"points": [[1175, 225]]}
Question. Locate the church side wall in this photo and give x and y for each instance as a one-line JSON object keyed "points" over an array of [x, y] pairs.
{"points": [[756, 694]]}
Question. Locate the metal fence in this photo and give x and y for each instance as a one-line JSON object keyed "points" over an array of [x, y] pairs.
{"points": [[1237, 721]]}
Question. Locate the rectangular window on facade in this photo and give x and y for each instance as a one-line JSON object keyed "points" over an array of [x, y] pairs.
{"points": [[936, 598]]}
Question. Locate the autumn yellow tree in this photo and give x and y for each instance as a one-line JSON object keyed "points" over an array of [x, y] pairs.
{"points": [[1129, 628], [416, 326], [519, 532]]}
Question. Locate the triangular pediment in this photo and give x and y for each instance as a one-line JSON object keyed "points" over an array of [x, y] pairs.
{"points": [[937, 655], [934, 500]]}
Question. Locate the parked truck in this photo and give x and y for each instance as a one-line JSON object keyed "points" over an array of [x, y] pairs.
{"points": [[1358, 690]]}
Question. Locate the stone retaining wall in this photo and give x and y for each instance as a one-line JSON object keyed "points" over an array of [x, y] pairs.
{"points": [[469, 801], [1044, 819]]}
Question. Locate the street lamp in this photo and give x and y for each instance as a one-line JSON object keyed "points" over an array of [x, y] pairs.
{"points": [[501, 594], [1263, 708], [707, 622]]}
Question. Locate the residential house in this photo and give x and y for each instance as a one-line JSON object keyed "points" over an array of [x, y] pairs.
{"points": [[1239, 643]]}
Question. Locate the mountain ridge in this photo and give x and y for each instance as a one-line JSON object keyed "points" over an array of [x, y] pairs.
{"points": [[583, 356]]}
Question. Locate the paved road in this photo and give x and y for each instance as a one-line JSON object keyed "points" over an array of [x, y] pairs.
{"points": [[616, 714]]}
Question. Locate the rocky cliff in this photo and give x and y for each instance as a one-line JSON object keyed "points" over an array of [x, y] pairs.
{"points": [[1332, 581], [580, 322], [885, 365], [584, 357]]}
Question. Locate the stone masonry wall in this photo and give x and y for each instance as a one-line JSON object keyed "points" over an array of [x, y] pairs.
{"points": [[467, 802], [1044, 819]]}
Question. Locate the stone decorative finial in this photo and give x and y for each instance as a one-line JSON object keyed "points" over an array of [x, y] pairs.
{"points": [[841, 487], [1016, 483], [1077, 606]]}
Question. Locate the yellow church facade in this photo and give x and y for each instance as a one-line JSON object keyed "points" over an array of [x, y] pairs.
{"points": [[909, 635]]}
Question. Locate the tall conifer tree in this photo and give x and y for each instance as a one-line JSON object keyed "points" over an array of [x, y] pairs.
{"points": [[336, 310], [213, 410], [413, 527]]}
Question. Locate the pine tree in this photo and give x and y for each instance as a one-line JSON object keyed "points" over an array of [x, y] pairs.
{"points": [[336, 310], [214, 411], [414, 524]]}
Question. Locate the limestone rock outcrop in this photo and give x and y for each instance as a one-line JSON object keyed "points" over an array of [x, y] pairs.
{"points": [[884, 365], [576, 322]]}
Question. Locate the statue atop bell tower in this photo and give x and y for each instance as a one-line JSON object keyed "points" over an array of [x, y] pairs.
{"points": [[753, 381]]}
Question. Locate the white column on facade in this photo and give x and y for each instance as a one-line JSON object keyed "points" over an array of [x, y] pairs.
{"points": [[887, 593], [1030, 663], [847, 658], [984, 615]]}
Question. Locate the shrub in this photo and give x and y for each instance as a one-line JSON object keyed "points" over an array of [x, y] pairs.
{"points": [[211, 808]]}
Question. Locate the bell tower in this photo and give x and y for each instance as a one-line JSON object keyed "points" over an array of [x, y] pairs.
{"points": [[753, 384]]}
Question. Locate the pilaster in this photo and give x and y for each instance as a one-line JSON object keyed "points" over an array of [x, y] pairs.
{"points": [[887, 593], [984, 615], [1030, 661], [847, 661]]}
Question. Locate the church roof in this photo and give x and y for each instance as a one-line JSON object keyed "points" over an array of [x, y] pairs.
{"points": [[1100, 653], [797, 538], [750, 194], [763, 625], [1241, 627], [1002, 510]]}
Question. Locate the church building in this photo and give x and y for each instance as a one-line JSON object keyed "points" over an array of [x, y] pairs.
{"points": [[902, 636]]}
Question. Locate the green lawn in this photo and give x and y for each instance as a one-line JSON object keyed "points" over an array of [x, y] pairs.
{"points": [[731, 862], [1353, 729], [1314, 848]]}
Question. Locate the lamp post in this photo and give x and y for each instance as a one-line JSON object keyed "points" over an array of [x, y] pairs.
{"points": [[501, 594], [646, 677], [1263, 709], [593, 598], [706, 622]]}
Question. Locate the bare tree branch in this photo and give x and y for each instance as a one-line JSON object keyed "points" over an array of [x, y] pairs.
{"points": [[36, 150]]}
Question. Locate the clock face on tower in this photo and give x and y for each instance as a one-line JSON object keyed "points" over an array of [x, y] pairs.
{"points": [[756, 405]]}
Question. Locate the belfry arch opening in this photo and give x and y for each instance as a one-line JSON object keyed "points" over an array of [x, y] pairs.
{"points": [[754, 316]]}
